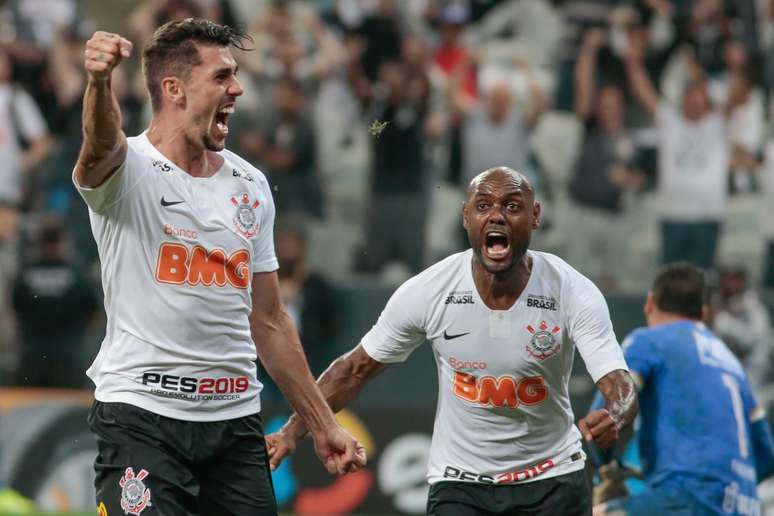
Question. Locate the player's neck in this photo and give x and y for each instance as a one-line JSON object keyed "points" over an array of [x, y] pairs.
{"points": [[499, 291], [171, 141], [658, 318]]}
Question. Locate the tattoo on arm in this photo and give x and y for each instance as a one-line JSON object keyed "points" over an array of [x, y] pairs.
{"points": [[620, 397]]}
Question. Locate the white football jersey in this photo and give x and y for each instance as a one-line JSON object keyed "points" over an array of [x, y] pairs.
{"points": [[504, 413], [178, 254]]}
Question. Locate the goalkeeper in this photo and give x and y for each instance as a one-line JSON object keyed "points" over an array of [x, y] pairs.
{"points": [[704, 443]]}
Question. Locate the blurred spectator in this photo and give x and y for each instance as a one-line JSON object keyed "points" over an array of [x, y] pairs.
{"points": [[736, 87], [495, 131], [149, 14], [532, 30], [460, 67], [308, 299], [291, 41], [396, 107], [24, 144], [452, 55], [707, 29], [767, 214], [740, 318], [285, 149], [745, 110], [767, 41], [54, 302], [28, 29], [693, 163], [381, 31], [605, 170], [580, 16], [307, 296]]}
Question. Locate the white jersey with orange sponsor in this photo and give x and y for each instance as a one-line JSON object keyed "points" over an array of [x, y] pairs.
{"points": [[178, 254], [504, 412]]}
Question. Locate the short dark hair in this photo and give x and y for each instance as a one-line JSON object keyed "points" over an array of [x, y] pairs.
{"points": [[679, 289], [172, 50]]}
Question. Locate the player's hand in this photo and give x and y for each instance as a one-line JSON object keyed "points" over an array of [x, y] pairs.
{"points": [[339, 451], [599, 427], [279, 445], [103, 52]]}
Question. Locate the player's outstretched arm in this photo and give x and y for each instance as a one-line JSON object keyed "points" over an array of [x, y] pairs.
{"points": [[604, 426], [280, 351], [104, 142], [339, 384]]}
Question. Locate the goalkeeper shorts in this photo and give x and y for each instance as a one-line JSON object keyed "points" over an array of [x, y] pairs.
{"points": [[149, 464]]}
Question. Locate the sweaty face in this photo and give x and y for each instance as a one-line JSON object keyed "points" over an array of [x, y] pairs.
{"points": [[499, 215], [211, 93]]}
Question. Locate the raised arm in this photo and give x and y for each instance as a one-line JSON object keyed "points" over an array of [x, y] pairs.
{"points": [[339, 384], [604, 426], [538, 101], [642, 87], [280, 351], [586, 72], [104, 142]]}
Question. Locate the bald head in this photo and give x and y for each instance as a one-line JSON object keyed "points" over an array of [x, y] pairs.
{"points": [[499, 216], [501, 176]]}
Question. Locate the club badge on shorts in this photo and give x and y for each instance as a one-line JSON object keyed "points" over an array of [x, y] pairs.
{"points": [[101, 509], [543, 343], [135, 497], [245, 219]]}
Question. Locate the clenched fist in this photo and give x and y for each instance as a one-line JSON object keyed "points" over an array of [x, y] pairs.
{"points": [[600, 428], [103, 53]]}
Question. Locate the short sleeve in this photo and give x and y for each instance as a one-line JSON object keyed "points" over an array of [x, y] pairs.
{"points": [[399, 330], [264, 258], [641, 354], [592, 331], [115, 187]]}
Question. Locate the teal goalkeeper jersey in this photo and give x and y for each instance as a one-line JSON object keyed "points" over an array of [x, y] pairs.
{"points": [[696, 412]]}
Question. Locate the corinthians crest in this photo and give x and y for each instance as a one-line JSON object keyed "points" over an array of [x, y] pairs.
{"points": [[135, 497], [543, 343], [245, 219]]}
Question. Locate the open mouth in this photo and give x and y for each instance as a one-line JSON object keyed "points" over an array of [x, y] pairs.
{"points": [[496, 244], [221, 118]]}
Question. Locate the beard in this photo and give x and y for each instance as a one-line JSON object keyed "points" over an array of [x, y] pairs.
{"points": [[213, 145]]}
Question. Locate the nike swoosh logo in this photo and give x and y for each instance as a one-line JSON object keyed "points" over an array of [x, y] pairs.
{"points": [[169, 203], [447, 336]]}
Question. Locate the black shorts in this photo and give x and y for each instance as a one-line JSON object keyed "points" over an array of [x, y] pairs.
{"points": [[154, 465], [565, 495]]}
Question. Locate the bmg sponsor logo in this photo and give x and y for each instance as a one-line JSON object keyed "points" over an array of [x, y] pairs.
{"points": [[177, 264], [503, 391], [196, 389]]}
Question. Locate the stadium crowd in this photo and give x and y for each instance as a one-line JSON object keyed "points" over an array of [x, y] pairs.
{"points": [[645, 125]]}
